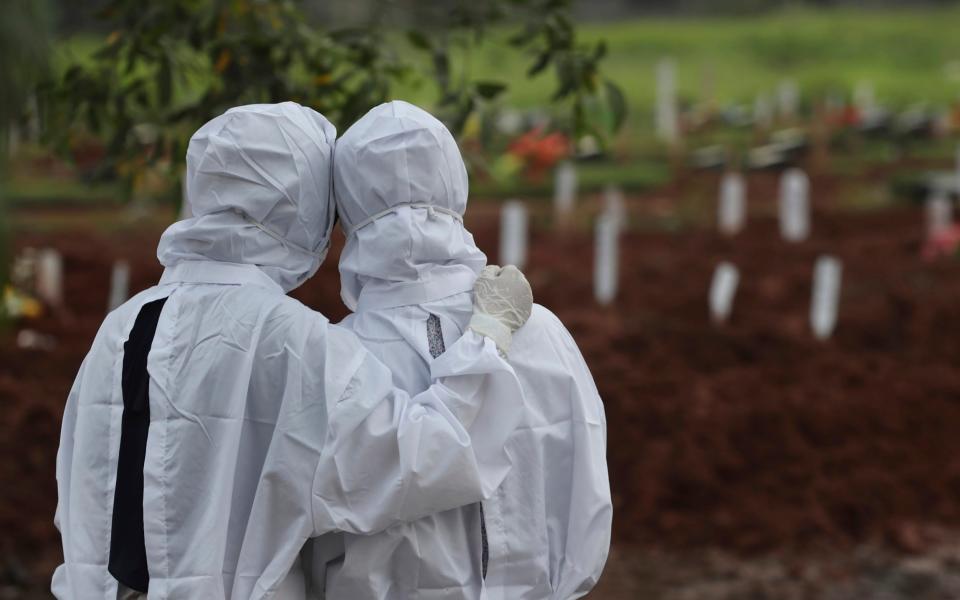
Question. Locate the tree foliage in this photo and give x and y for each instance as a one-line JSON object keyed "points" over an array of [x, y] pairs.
{"points": [[171, 65], [23, 54]]}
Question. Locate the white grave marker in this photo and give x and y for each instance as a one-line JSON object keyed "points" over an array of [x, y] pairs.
{"points": [[666, 114], [762, 112], [788, 99], [722, 290], [794, 205], [613, 205], [732, 209], [864, 98], [513, 234], [49, 282], [119, 284], [826, 296], [565, 189], [605, 260], [939, 213], [510, 122]]}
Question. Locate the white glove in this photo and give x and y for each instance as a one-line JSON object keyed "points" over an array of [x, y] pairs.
{"points": [[502, 301]]}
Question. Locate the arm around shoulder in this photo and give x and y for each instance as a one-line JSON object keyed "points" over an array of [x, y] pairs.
{"points": [[390, 457]]}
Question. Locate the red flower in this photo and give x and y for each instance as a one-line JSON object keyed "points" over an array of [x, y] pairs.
{"points": [[539, 152]]}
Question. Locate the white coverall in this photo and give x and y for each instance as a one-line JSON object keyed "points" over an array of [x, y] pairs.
{"points": [[407, 271], [267, 424]]}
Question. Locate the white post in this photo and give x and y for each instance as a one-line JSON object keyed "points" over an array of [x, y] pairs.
{"points": [[732, 209], [513, 234], [826, 296], [794, 205], [939, 213], [564, 189], [722, 290], [864, 98], [119, 284], [605, 260], [49, 282], [788, 99], [666, 116], [613, 205], [762, 112]]}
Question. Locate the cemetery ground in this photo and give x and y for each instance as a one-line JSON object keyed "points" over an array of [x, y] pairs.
{"points": [[747, 460]]}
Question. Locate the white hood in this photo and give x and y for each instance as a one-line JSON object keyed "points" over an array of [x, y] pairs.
{"points": [[401, 190], [258, 185]]}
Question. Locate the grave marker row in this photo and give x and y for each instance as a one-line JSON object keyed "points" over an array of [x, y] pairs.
{"points": [[824, 300], [793, 205]]}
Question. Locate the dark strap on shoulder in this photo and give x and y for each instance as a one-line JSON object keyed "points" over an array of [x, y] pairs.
{"points": [[128, 552]]}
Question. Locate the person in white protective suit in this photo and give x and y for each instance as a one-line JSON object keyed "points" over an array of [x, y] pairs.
{"points": [[408, 271], [216, 424]]}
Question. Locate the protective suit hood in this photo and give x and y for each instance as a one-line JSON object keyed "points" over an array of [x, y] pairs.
{"points": [[400, 187], [258, 186]]}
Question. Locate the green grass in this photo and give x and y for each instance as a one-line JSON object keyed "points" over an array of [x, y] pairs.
{"points": [[903, 53], [592, 176]]}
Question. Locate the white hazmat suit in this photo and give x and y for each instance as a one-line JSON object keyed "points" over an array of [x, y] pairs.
{"points": [[260, 424], [407, 271]]}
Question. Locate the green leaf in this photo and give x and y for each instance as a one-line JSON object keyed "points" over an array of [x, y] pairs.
{"points": [[419, 39], [542, 61], [441, 68], [164, 82], [617, 103], [599, 51], [489, 89]]}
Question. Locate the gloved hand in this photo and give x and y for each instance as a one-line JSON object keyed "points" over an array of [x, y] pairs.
{"points": [[502, 301]]}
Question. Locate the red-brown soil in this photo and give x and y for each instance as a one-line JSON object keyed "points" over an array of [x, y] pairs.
{"points": [[751, 436]]}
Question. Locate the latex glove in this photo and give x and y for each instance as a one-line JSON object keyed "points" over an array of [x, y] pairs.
{"points": [[502, 301]]}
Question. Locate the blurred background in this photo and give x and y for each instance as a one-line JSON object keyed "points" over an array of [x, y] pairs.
{"points": [[742, 210]]}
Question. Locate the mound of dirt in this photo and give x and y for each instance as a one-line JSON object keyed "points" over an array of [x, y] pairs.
{"points": [[749, 436]]}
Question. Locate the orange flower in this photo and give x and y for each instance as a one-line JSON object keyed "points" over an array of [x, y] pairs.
{"points": [[539, 152]]}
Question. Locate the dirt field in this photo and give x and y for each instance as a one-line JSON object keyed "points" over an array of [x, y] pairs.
{"points": [[747, 461]]}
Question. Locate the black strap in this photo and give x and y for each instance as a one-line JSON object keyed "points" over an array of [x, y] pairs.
{"points": [[437, 347], [128, 552]]}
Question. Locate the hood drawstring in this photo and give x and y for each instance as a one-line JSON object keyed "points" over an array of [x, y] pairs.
{"points": [[430, 208]]}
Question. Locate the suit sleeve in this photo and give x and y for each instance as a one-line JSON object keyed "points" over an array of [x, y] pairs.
{"points": [[390, 457]]}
